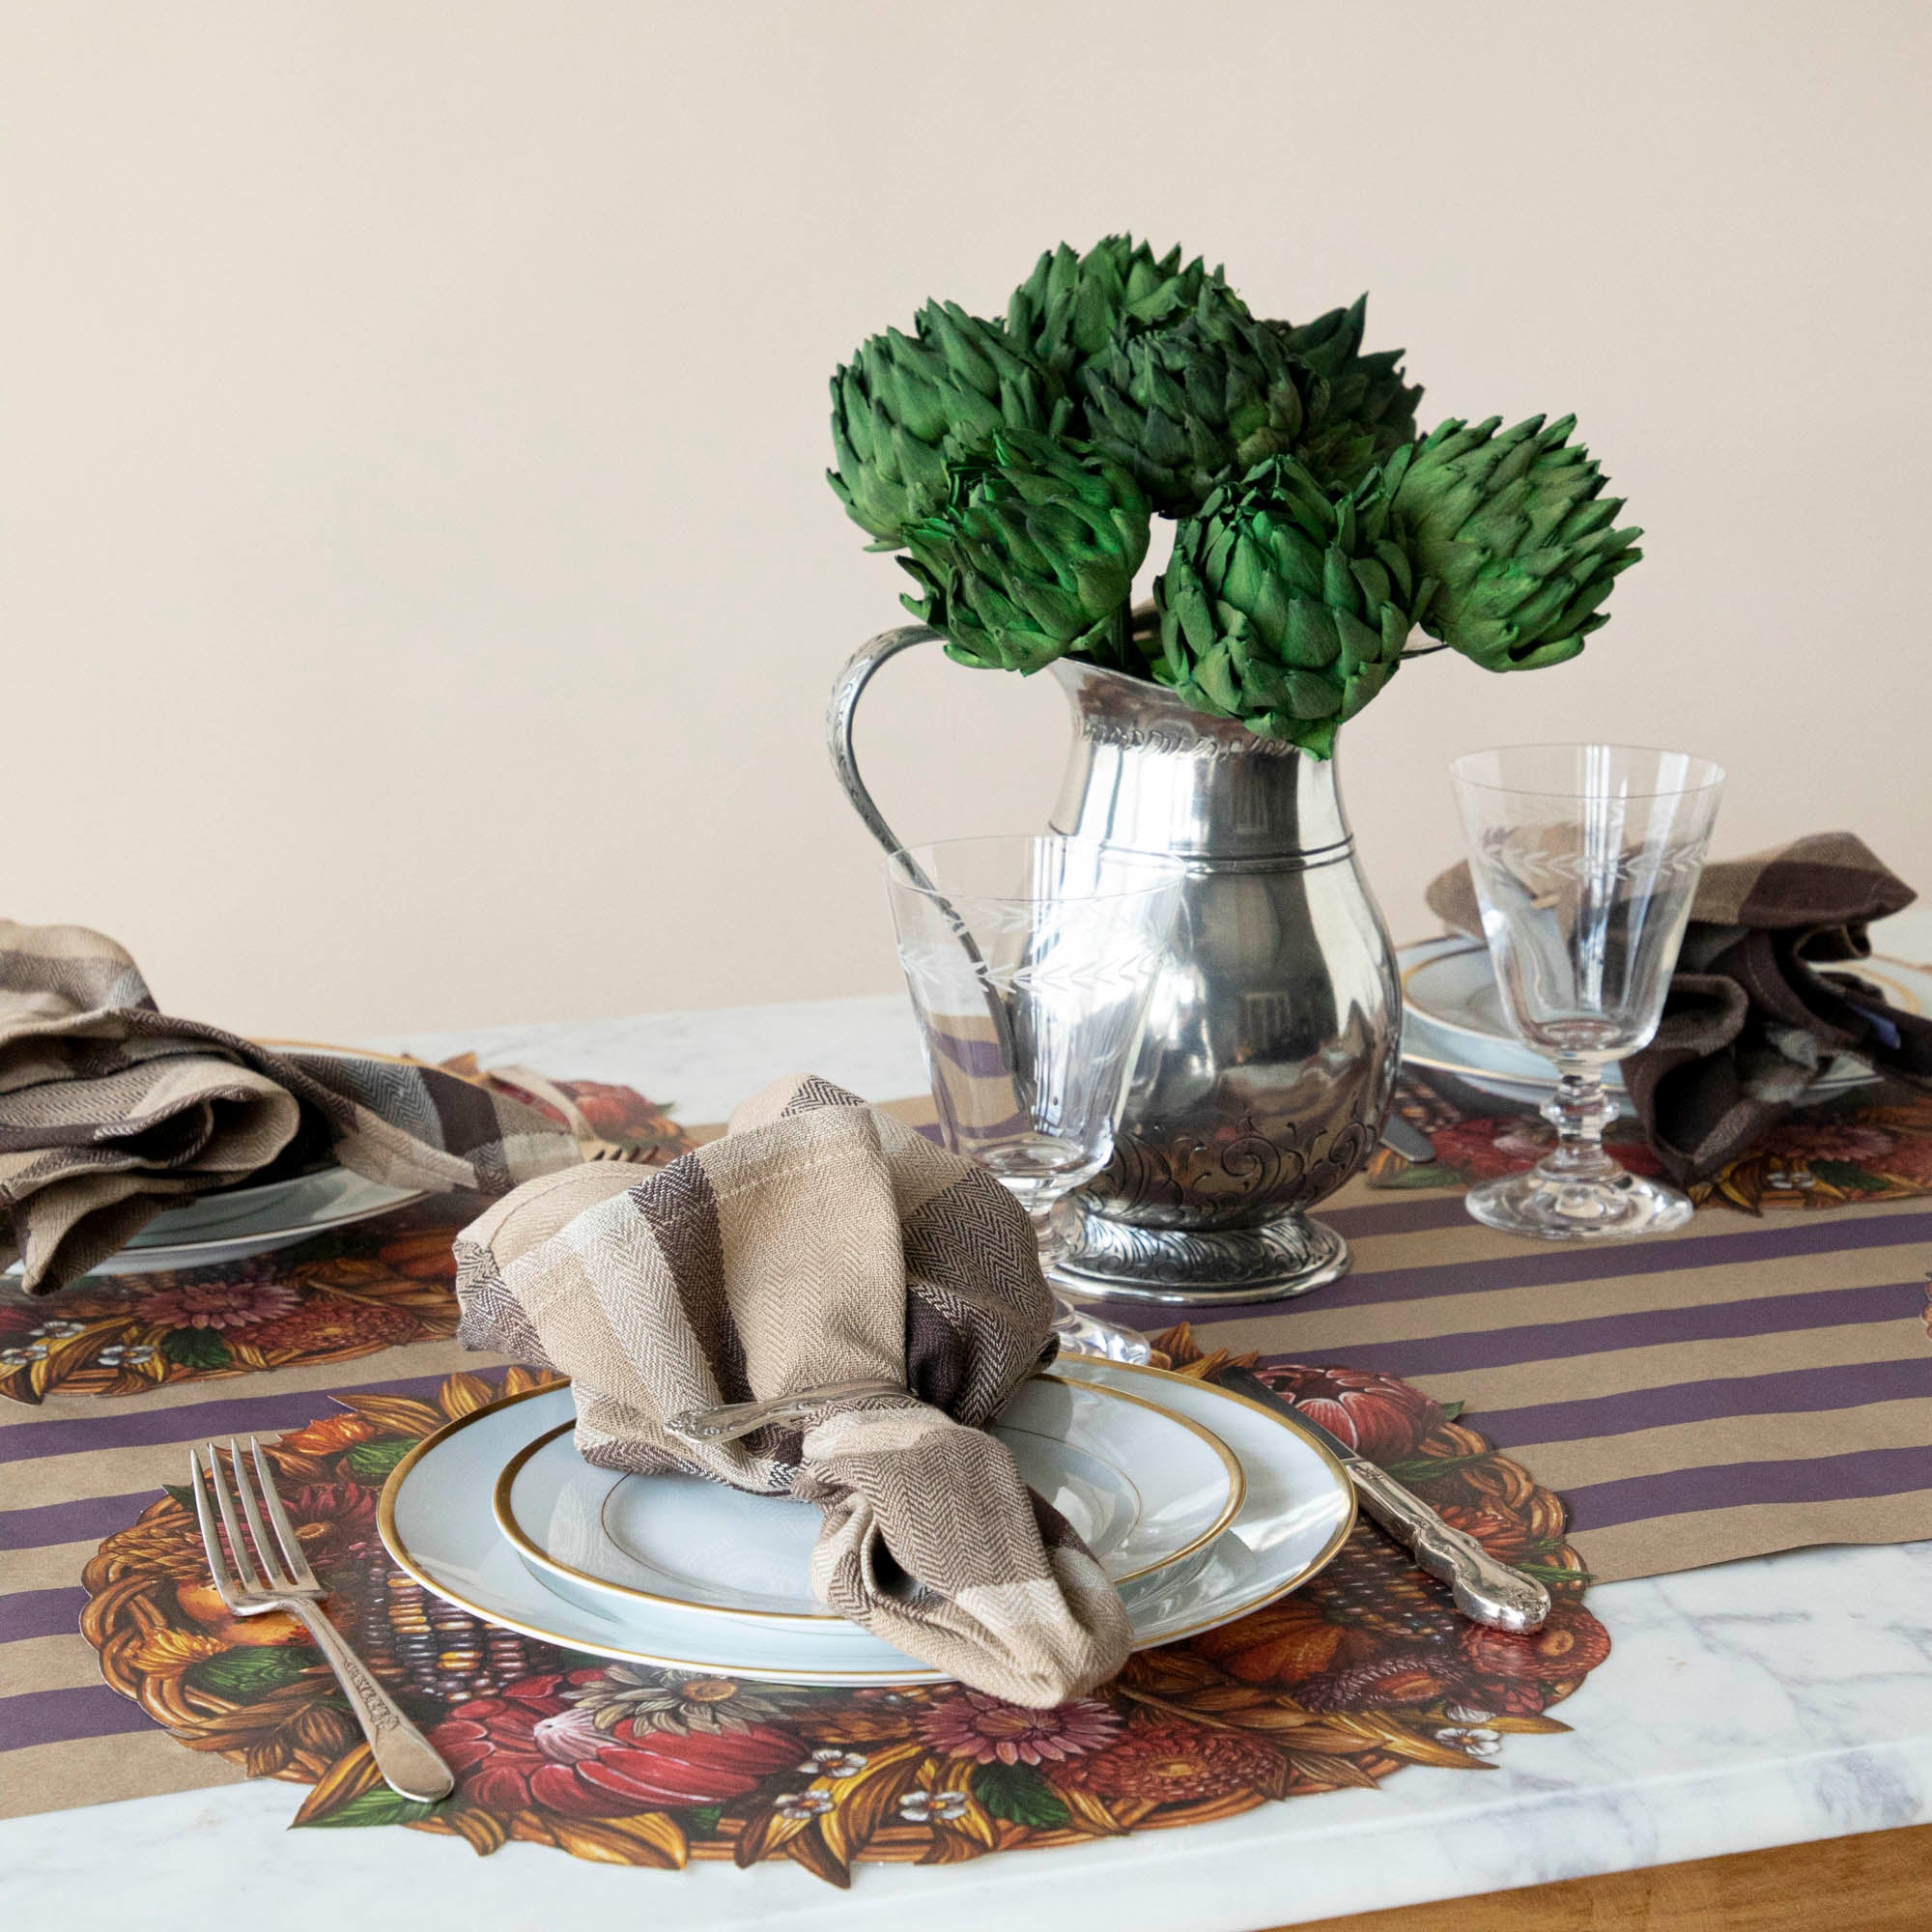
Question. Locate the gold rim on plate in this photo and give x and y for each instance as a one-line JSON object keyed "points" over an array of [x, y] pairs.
{"points": [[405, 1561], [521, 1539]]}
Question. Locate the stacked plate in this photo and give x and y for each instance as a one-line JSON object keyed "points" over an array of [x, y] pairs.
{"points": [[1452, 1022], [1201, 1505]]}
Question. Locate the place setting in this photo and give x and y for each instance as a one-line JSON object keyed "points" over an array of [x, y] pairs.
{"points": [[1095, 1443]]}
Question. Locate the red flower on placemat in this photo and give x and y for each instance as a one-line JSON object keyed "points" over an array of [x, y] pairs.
{"points": [[220, 1300], [1166, 1759], [1486, 1146], [973, 1725], [329, 1325], [1514, 1672], [529, 1746], [1909, 1161], [1380, 1417], [1828, 1139]]}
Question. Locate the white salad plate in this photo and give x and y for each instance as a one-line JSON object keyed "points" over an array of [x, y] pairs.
{"points": [[439, 1522], [1143, 1488], [240, 1221], [1453, 1022]]}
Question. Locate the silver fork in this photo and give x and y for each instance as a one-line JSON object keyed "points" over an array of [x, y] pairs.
{"points": [[404, 1756]]}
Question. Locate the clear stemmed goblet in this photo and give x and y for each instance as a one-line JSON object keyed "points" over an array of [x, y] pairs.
{"points": [[1031, 961], [1585, 860]]}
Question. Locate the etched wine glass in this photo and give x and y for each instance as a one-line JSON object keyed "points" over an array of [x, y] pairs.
{"points": [[1031, 961], [1585, 860]]}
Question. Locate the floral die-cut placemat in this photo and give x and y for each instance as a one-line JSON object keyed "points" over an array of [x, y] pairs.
{"points": [[1365, 1670], [1874, 1143]]}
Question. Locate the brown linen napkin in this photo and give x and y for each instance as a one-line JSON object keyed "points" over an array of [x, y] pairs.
{"points": [[820, 1241], [1750, 1021], [110, 1112]]}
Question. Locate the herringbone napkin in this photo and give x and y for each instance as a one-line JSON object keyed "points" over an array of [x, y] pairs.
{"points": [[820, 1241], [1750, 1020], [110, 1111]]}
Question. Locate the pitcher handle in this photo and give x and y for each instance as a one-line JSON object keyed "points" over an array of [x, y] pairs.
{"points": [[844, 703]]}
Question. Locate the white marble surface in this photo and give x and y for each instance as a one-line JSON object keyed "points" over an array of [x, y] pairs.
{"points": [[1760, 1703]]}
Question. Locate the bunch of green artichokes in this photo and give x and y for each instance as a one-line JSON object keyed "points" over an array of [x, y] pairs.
{"points": [[1017, 466]]}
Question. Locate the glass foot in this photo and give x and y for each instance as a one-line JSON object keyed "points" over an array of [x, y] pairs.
{"points": [[1083, 1334], [1553, 1207]]}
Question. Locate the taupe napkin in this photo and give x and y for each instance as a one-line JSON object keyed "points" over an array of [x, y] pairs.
{"points": [[110, 1111], [1750, 1020], [820, 1241]]}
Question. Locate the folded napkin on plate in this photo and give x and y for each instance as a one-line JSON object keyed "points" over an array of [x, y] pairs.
{"points": [[1750, 1021], [820, 1241], [110, 1112]]}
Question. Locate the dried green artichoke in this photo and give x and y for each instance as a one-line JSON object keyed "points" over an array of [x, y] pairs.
{"points": [[1361, 411], [1033, 557], [1189, 405], [1065, 311], [1286, 607], [1517, 533], [905, 405]]}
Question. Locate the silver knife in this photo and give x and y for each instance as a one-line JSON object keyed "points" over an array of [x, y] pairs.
{"points": [[1486, 1591]]}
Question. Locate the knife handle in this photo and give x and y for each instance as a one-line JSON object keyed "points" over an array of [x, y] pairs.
{"points": [[1486, 1590]]}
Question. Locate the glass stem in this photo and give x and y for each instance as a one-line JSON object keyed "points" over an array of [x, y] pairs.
{"points": [[1580, 1110]]}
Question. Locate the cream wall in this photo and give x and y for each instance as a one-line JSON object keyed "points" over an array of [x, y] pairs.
{"points": [[418, 587]]}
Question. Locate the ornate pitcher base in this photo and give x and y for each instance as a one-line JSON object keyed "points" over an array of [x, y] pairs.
{"points": [[1188, 1267]]}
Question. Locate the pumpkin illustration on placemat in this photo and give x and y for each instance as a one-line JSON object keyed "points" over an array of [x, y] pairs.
{"points": [[1364, 1669]]}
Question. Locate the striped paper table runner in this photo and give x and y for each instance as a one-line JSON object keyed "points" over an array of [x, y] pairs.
{"points": [[1735, 1389], [1738, 1387]]}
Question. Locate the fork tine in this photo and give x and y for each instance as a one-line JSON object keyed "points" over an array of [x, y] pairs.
{"points": [[265, 1550], [210, 1537], [238, 1548], [285, 1531]]}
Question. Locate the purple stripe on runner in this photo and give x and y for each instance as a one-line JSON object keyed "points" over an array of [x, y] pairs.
{"points": [[1819, 1479], [1788, 1392], [1408, 1215], [1594, 1261], [119, 1427], [976, 1059], [60, 1716], [40, 1614], [1553, 1340], [87, 1519]]}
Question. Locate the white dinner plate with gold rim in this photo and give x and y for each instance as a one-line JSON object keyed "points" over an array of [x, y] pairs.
{"points": [[1143, 1489], [437, 1520]]}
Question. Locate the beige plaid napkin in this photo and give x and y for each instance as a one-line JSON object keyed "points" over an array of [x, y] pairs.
{"points": [[820, 1241], [110, 1111]]}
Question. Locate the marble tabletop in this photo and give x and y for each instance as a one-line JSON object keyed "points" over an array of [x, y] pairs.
{"points": [[1750, 1705]]}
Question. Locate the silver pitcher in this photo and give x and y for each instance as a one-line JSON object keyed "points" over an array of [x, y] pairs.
{"points": [[1270, 1049]]}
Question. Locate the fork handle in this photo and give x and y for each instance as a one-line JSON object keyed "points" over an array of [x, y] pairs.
{"points": [[406, 1758]]}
